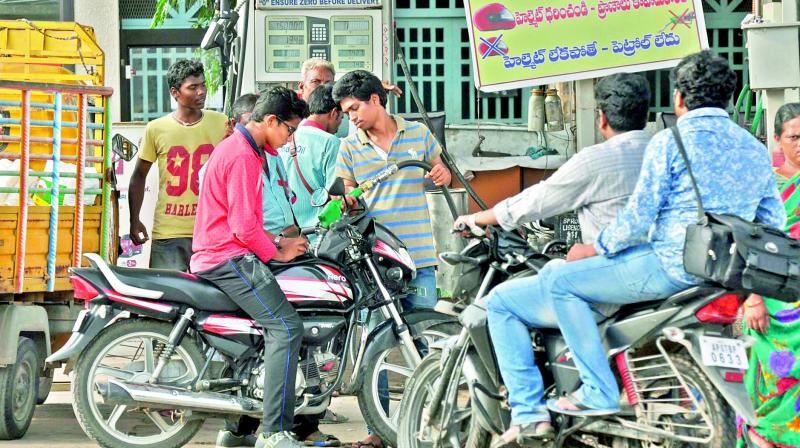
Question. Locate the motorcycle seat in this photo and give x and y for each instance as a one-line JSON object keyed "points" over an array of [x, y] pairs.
{"points": [[678, 297], [178, 287]]}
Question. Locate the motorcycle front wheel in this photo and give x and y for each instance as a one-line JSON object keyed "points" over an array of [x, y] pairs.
{"points": [[383, 387], [415, 431], [128, 351]]}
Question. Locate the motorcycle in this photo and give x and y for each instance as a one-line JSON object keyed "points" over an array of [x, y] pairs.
{"points": [[159, 351], [677, 359]]}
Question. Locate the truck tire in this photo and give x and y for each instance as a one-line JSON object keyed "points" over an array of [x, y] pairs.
{"points": [[45, 384], [18, 391]]}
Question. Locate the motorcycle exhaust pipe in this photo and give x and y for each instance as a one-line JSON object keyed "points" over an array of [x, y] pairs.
{"points": [[166, 397]]}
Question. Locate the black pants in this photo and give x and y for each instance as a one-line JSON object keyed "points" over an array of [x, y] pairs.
{"points": [[249, 283]]}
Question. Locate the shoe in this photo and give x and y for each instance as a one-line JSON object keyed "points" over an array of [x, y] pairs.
{"points": [[227, 439], [283, 439]]}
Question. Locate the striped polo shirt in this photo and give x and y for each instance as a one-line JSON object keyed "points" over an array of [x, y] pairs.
{"points": [[398, 202]]}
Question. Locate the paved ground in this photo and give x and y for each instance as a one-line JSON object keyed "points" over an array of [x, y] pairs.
{"points": [[54, 425]]}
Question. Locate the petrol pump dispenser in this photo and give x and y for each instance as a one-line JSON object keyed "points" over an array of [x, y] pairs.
{"points": [[352, 34]]}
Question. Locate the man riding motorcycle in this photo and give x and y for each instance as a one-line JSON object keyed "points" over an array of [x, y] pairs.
{"points": [[596, 182], [231, 250], [734, 175]]}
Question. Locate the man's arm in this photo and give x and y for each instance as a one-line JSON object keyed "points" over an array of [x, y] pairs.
{"points": [[632, 224], [569, 188], [136, 187]]}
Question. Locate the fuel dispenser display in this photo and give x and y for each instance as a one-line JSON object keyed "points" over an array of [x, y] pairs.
{"points": [[351, 38]]}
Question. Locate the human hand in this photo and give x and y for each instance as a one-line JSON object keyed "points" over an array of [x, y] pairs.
{"points": [[391, 88], [581, 251], [290, 249], [464, 222], [138, 233], [440, 175], [756, 316], [347, 201]]}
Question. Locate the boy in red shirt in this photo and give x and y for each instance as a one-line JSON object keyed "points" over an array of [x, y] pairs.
{"points": [[231, 250]]}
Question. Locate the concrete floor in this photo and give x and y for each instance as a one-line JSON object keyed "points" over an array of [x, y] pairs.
{"points": [[54, 425]]}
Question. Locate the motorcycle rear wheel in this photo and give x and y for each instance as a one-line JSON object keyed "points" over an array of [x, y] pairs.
{"points": [[720, 414], [463, 432], [128, 351]]}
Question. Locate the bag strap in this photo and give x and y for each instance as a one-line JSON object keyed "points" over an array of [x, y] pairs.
{"points": [[285, 187], [701, 212], [293, 153]]}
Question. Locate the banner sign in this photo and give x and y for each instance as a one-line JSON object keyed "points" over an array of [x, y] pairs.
{"points": [[520, 43], [316, 4]]}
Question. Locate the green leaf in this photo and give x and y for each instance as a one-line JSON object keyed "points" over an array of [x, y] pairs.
{"points": [[163, 7]]}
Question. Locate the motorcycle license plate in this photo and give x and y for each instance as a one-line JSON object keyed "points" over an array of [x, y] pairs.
{"points": [[723, 352]]}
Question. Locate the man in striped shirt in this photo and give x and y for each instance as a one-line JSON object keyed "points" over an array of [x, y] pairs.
{"points": [[399, 202], [596, 182]]}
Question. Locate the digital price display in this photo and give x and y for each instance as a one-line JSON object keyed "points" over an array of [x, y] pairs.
{"points": [[352, 42], [286, 43], [348, 41]]}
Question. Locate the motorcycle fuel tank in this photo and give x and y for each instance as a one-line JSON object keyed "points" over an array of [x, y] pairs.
{"points": [[317, 286]]}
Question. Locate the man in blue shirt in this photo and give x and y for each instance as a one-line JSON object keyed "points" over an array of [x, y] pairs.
{"points": [[310, 157], [733, 171]]}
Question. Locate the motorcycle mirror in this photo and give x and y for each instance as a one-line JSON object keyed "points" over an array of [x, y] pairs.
{"points": [[337, 188], [319, 197], [123, 148]]}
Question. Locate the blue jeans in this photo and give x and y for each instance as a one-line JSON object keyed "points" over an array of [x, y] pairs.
{"points": [[513, 308], [424, 298], [633, 275]]}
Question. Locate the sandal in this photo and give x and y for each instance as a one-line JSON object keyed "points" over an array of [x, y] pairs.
{"points": [[583, 410], [332, 418], [318, 438]]}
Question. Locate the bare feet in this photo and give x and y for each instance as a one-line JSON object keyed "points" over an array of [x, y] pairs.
{"points": [[567, 404], [533, 430], [372, 441]]}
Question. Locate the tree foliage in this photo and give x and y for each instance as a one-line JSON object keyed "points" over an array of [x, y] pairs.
{"points": [[210, 58]]}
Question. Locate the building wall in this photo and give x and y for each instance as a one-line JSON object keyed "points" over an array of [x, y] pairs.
{"points": [[103, 16]]}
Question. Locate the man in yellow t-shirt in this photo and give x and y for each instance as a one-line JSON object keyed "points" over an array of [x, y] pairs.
{"points": [[181, 142]]}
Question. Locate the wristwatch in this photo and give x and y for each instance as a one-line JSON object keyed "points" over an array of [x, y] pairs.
{"points": [[277, 241]]}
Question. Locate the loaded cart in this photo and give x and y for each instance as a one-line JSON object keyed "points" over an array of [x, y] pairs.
{"points": [[56, 199]]}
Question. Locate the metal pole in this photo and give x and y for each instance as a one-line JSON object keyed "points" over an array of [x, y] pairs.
{"points": [[105, 245], [77, 243], [55, 197], [22, 217]]}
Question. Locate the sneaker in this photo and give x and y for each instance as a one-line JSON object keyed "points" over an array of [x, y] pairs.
{"points": [[227, 439], [282, 439]]}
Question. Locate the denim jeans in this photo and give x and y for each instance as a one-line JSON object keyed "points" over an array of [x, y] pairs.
{"points": [[513, 308], [424, 298], [633, 275]]}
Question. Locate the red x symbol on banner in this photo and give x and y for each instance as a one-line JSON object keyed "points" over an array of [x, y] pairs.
{"points": [[682, 19]]}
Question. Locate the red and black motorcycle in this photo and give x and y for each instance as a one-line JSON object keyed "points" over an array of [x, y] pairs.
{"points": [[159, 351]]}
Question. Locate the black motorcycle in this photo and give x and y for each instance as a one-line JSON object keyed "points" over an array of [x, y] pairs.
{"points": [[677, 360], [159, 351]]}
